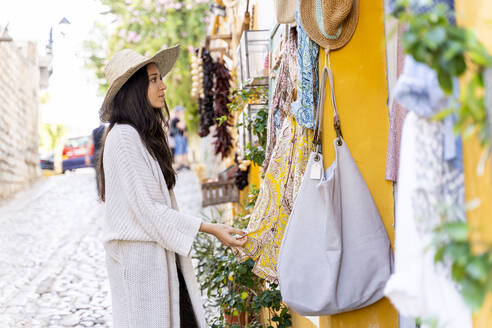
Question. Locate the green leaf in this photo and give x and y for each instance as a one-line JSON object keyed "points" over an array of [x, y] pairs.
{"points": [[478, 269], [457, 230], [435, 37], [443, 114], [458, 272], [221, 120], [438, 257], [445, 81], [454, 48], [473, 294]]}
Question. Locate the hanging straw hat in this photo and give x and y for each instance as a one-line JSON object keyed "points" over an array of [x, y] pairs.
{"points": [[329, 23], [285, 11], [124, 64]]}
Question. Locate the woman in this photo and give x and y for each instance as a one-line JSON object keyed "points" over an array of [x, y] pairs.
{"points": [[147, 241]]}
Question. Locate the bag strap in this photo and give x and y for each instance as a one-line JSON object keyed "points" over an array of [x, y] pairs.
{"points": [[326, 74]]}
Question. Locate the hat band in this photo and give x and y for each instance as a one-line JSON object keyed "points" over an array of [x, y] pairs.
{"points": [[318, 12]]}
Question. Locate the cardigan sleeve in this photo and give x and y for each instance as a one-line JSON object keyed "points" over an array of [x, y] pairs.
{"points": [[171, 229]]}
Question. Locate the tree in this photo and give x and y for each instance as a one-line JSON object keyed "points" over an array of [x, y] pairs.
{"points": [[50, 135], [147, 26]]}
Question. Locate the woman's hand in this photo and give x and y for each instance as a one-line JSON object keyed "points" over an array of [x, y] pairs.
{"points": [[225, 233]]}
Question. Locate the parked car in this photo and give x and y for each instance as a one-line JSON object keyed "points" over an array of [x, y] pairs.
{"points": [[74, 151], [47, 161]]}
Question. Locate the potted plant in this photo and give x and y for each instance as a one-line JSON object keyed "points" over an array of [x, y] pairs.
{"points": [[232, 286]]}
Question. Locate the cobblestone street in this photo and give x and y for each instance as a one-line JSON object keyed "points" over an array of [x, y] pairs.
{"points": [[52, 269]]}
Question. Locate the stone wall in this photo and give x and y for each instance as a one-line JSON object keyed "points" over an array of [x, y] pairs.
{"points": [[19, 110]]}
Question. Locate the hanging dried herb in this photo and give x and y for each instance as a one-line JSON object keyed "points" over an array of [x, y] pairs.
{"points": [[206, 104], [241, 178], [223, 142]]}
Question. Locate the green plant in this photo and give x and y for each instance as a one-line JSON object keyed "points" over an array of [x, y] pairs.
{"points": [[233, 285], [255, 154], [472, 271], [257, 124], [451, 51], [242, 97], [51, 135], [147, 26]]}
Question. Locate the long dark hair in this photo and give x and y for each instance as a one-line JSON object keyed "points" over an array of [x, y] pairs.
{"points": [[131, 106]]}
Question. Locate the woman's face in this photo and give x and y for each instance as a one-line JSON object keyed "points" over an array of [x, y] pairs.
{"points": [[155, 92]]}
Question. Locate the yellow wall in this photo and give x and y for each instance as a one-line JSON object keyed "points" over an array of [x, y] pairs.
{"points": [[361, 90], [477, 15]]}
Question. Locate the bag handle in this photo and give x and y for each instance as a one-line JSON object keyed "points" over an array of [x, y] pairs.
{"points": [[327, 73]]}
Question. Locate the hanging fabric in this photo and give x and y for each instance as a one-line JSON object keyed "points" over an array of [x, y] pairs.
{"points": [[307, 81], [397, 117], [430, 180], [420, 287], [335, 255], [418, 90], [284, 93], [287, 162]]}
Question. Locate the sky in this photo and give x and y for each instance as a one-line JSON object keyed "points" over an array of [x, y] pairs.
{"points": [[73, 97]]}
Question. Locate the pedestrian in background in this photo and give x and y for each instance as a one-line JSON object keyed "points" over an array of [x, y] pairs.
{"points": [[95, 140], [179, 133], [147, 241]]}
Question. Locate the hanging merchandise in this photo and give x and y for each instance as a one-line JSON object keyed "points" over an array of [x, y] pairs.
{"points": [[430, 180], [307, 82], [241, 177], [397, 117], [329, 23], [285, 11], [282, 177], [398, 111], [284, 93], [196, 75], [419, 287], [348, 265], [418, 90], [206, 103], [223, 144]]}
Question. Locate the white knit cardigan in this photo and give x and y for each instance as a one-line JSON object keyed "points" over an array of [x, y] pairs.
{"points": [[143, 233]]}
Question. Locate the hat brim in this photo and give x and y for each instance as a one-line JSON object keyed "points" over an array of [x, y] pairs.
{"points": [[164, 59], [308, 21]]}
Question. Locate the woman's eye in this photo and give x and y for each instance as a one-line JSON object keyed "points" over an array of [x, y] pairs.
{"points": [[153, 80]]}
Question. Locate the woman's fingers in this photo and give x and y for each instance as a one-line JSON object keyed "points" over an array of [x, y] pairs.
{"points": [[238, 242], [230, 236], [238, 232]]}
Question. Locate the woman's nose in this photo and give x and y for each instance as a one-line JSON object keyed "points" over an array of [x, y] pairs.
{"points": [[163, 86]]}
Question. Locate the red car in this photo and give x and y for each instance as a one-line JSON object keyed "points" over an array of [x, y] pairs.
{"points": [[74, 151]]}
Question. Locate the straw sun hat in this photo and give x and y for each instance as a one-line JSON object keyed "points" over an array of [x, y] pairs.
{"points": [[329, 23], [125, 63], [285, 11]]}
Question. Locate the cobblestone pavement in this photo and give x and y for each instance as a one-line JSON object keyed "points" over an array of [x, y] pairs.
{"points": [[52, 269]]}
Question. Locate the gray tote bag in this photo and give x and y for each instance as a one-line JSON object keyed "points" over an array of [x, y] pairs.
{"points": [[335, 254]]}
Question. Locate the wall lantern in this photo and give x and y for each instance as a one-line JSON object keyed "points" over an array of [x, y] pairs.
{"points": [[253, 53]]}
